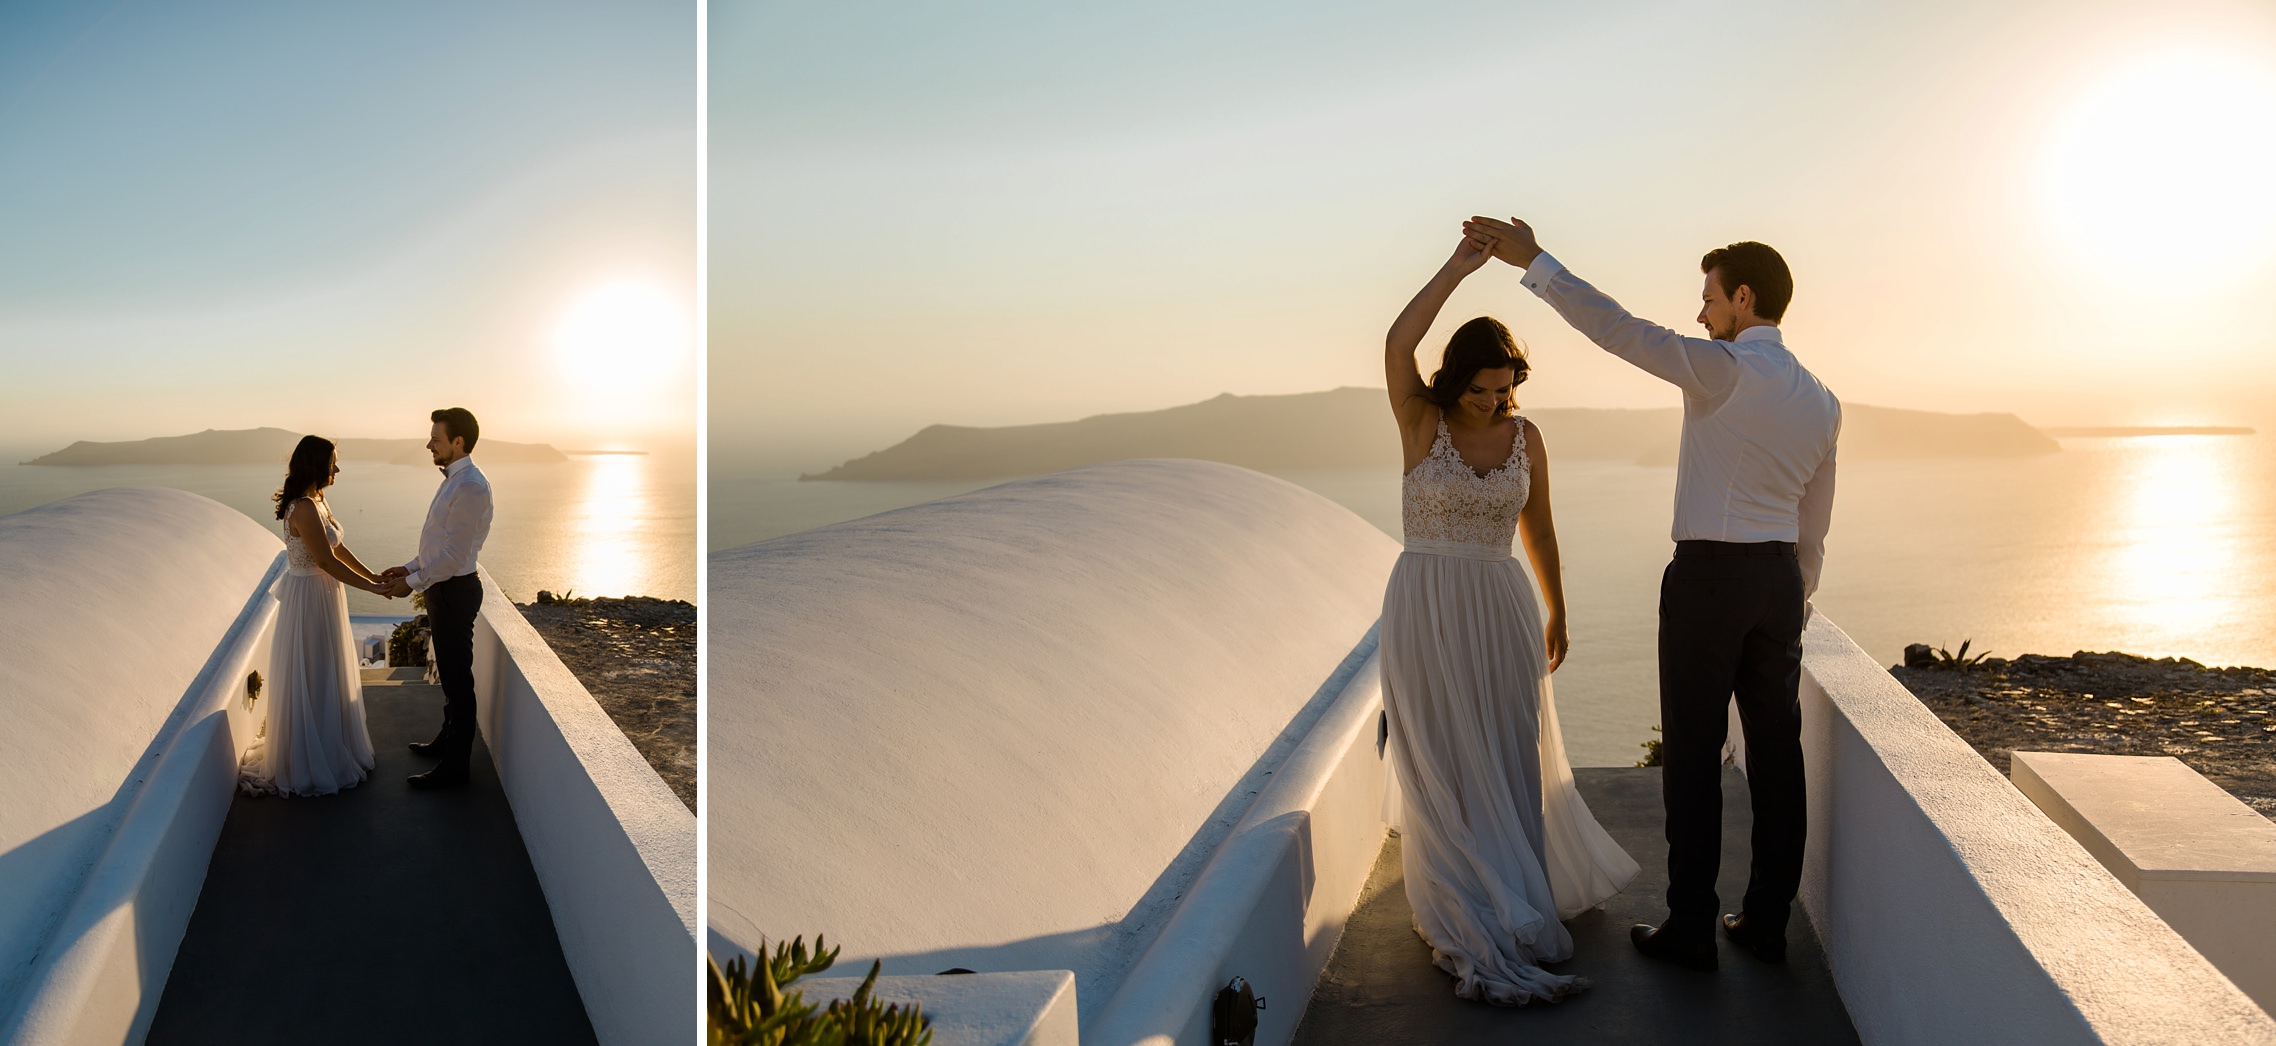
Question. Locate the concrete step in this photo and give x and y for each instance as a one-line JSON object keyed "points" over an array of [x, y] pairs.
{"points": [[389, 674]]}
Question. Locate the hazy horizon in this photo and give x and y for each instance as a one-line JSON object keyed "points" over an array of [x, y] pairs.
{"points": [[1018, 213], [336, 220], [823, 446]]}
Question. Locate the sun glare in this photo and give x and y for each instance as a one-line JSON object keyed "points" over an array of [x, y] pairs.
{"points": [[622, 337], [2161, 169]]}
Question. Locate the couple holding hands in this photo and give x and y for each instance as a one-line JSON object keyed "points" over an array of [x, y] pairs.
{"points": [[313, 739]]}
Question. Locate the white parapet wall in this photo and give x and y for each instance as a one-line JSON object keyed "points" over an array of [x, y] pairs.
{"points": [[1024, 728], [1953, 910], [1275, 896], [613, 848], [131, 620], [2200, 858]]}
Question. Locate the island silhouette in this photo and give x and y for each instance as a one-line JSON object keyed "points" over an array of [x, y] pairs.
{"points": [[1350, 428], [268, 446]]}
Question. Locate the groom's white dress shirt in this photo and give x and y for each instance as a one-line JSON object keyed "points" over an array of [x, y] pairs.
{"points": [[458, 521], [1757, 457]]}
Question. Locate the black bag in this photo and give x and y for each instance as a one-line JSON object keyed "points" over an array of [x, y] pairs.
{"points": [[1233, 1017]]}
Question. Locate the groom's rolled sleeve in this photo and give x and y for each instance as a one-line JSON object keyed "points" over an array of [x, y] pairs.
{"points": [[1816, 519], [467, 515], [1696, 365]]}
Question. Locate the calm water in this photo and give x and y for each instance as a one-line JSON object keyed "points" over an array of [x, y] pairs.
{"points": [[598, 525], [2161, 546]]}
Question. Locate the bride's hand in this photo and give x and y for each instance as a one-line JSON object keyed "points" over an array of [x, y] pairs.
{"points": [[1472, 253], [1557, 641]]}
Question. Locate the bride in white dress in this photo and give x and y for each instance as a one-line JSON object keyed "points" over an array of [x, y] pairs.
{"points": [[1498, 845], [313, 740]]}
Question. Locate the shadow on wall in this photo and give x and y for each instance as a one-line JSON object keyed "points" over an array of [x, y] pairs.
{"points": [[77, 841], [139, 859]]}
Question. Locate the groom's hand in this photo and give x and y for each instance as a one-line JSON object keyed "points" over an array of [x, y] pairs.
{"points": [[395, 572], [1513, 240], [396, 588]]}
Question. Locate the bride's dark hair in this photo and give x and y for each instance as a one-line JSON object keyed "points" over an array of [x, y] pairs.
{"points": [[1481, 344], [311, 463]]}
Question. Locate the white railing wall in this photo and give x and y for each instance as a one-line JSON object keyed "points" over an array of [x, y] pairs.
{"points": [[614, 849], [1952, 910], [99, 980], [1273, 900]]}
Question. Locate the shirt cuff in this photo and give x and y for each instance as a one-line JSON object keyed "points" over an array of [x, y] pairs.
{"points": [[417, 583], [1541, 271], [1545, 267]]}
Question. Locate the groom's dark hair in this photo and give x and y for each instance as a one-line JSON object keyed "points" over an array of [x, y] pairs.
{"points": [[1751, 264], [458, 423]]}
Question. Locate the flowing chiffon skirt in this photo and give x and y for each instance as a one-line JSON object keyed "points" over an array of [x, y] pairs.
{"points": [[313, 740], [1498, 845]]}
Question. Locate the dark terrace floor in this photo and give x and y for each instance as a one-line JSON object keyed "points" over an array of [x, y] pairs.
{"points": [[1381, 990], [378, 915]]}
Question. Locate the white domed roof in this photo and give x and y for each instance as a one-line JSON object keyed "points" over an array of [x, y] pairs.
{"points": [[976, 732]]}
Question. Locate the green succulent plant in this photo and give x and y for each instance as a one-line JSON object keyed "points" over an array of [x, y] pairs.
{"points": [[1960, 661], [750, 1006]]}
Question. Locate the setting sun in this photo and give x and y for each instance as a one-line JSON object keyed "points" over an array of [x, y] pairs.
{"points": [[622, 336], [2161, 168]]}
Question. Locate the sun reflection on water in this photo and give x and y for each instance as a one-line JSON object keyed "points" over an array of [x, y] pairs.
{"points": [[607, 553], [2175, 534]]}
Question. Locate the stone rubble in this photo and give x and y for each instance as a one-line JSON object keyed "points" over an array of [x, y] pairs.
{"points": [[2220, 722]]}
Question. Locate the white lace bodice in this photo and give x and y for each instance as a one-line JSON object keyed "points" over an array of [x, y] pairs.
{"points": [[297, 557], [1443, 502]]}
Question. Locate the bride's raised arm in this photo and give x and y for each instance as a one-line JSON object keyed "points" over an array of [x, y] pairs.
{"points": [[309, 531], [1410, 398]]}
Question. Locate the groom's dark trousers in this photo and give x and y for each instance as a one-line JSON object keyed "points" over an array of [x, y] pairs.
{"points": [[451, 607], [1731, 618]]}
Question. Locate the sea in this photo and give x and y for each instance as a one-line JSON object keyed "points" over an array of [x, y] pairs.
{"points": [[2153, 545], [595, 525]]}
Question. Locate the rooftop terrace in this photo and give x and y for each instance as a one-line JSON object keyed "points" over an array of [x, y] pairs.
{"points": [[1381, 990], [377, 915]]}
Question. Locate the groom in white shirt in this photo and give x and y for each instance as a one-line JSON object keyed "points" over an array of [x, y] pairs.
{"points": [[458, 521], [1753, 499]]}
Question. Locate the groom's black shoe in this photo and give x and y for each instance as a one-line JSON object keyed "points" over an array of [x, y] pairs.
{"points": [[427, 749], [1764, 946], [1695, 953], [442, 776]]}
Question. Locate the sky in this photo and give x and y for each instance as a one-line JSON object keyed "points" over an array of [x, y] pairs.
{"points": [[1009, 212], [335, 218]]}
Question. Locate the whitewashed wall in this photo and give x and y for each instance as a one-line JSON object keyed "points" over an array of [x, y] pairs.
{"points": [[1277, 893], [1952, 910], [1007, 730], [613, 848], [129, 622]]}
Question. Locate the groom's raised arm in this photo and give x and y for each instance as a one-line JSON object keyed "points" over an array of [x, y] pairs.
{"points": [[1695, 365]]}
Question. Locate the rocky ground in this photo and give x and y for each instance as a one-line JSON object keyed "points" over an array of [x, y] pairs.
{"points": [[637, 656], [2219, 721]]}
